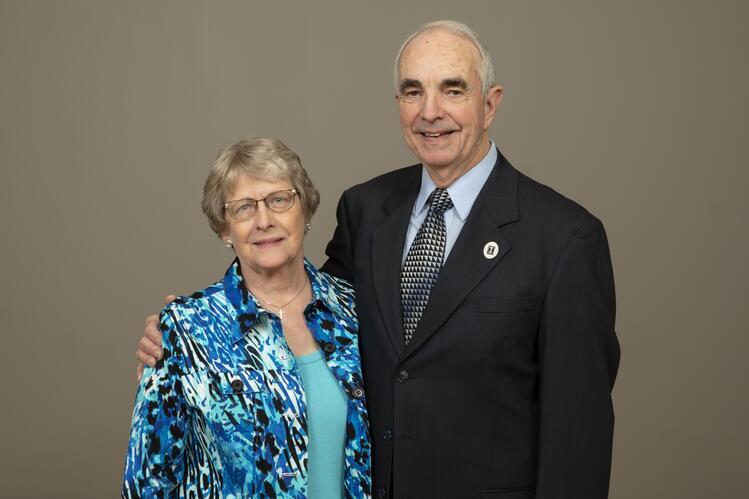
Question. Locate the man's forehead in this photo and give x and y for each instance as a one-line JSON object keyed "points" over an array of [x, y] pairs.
{"points": [[439, 50], [440, 40]]}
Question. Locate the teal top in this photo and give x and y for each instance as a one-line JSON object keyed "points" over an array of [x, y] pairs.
{"points": [[326, 420]]}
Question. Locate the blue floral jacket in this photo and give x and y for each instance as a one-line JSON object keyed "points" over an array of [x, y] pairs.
{"points": [[223, 414]]}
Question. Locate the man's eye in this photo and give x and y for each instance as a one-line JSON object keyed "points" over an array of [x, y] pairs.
{"points": [[454, 92], [411, 93]]}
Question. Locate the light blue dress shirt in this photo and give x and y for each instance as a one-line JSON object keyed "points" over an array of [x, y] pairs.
{"points": [[463, 193]]}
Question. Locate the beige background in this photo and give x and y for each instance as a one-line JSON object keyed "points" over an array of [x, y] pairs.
{"points": [[112, 112]]}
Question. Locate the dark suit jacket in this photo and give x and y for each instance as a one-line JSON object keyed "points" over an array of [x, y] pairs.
{"points": [[505, 389]]}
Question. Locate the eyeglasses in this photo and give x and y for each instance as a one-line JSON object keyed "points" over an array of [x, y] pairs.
{"points": [[242, 210]]}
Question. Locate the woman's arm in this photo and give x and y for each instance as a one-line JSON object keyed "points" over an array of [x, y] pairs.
{"points": [[157, 434]]}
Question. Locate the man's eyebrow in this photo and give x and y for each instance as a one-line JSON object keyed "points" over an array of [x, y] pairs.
{"points": [[454, 82], [408, 83]]}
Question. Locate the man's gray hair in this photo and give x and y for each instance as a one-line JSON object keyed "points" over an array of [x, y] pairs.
{"points": [[486, 66]]}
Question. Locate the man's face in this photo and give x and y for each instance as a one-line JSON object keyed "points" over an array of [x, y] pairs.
{"points": [[444, 117]]}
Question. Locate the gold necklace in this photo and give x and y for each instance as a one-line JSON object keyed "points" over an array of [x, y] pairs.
{"points": [[280, 309]]}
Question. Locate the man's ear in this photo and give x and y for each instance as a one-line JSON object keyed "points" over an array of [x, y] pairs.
{"points": [[491, 103]]}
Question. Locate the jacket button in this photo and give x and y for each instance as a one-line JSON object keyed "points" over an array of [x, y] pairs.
{"points": [[381, 493], [387, 435], [357, 392], [329, 348], [237, 385], [402, 377]]}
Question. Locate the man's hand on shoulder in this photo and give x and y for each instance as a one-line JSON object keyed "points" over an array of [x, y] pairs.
{"points": [[149, 345]]}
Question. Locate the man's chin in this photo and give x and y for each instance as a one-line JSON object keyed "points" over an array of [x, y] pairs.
{"points": [[433, 154], [438, 161]]}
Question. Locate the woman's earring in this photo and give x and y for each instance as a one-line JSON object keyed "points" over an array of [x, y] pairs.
{"points": [[307, 228], [229, 243]]}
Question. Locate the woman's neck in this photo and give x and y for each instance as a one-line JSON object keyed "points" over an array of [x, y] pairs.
{"points": [[275, 284]]}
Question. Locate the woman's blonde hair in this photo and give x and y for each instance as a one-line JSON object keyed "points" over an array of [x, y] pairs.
{"points": [[262, 158]]}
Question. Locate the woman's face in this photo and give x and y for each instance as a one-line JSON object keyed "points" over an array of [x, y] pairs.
{"points": [[268, 241]]}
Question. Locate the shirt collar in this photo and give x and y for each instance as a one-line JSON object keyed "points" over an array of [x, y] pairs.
{"points": [[248, 310], [464, 190]]}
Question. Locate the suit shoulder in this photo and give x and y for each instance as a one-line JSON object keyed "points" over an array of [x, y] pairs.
{"points": [[540, 200], [386, 181]]}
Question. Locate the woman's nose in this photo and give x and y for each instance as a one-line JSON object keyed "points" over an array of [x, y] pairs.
{"points": [[263, 216]]}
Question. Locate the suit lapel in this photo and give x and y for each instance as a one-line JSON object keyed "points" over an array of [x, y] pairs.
{"points": [[495, 206], [388, 240]]}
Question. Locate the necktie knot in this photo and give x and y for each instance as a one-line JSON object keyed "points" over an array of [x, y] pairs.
{"points": [[440, 201]]}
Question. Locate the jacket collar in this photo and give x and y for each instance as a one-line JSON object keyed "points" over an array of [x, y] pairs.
{"points": [[248, 310], [495, 206]]}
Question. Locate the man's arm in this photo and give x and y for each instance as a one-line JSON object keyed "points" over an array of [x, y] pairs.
{"points": [[149, 345], [339, 249], [579, 358]]}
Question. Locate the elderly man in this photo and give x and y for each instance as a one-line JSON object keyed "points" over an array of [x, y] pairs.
{"points": [[485, 302]]}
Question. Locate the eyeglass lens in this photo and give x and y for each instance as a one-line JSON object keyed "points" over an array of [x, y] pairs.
{"points": [[278, 202]]}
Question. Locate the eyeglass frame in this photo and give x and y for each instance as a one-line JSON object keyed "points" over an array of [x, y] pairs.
{"points": [[263, 199]]}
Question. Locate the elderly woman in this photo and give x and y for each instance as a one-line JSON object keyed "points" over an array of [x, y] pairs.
{"points": [[258, 392]]}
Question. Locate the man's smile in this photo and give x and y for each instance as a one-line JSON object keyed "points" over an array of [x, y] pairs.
{"points": [[435, 136]]}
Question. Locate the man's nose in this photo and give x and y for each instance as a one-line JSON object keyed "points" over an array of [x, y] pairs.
{"points": [[432, 109]]}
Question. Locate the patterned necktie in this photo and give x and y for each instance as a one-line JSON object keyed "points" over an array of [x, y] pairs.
{"points": [[424, 261]]}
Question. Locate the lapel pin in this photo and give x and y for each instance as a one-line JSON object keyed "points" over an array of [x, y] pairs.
{"points": [[491, 249]]}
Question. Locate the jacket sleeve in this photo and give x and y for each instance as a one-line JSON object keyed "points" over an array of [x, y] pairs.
{"points": [[340, 247], [579, 358], [154, 465]]}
